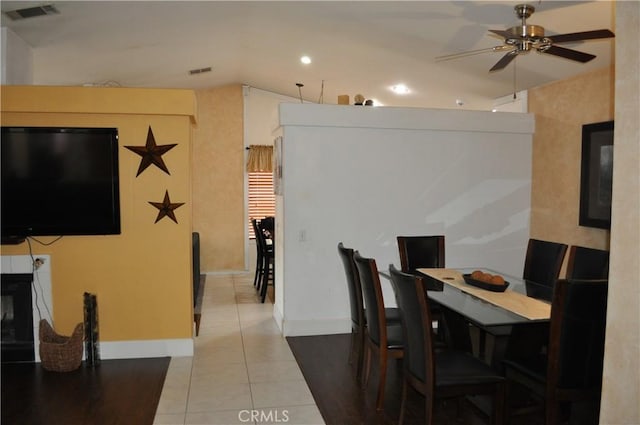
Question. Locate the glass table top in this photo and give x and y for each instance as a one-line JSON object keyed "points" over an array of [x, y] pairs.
{"points": [[480, 312]]}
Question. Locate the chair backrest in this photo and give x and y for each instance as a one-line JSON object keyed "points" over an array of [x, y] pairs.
{"points": [[353, 284], [268, 223], [416, 321], [543, 261], [421, 252], [266, 231], [254, 224], [576, 334], [373, 298], [261, 243], [587, 263]]}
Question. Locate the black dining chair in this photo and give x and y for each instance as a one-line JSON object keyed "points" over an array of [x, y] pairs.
{"points": [[268, 225], [442, 373], [568, 380], [428, 251], [356, 351], [358, 318], [259, 267], [543, 261], [420, 252], [587, 263], [267, 265], [383, 339], [542, 264]]}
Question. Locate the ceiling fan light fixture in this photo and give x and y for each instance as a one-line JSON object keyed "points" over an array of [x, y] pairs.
{"points": [[529, 32]]}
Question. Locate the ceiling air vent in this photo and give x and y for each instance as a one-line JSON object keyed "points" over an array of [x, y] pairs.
{"points": [[32, 12], [199, 71]]}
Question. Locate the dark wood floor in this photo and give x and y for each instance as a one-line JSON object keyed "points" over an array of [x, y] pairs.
{"points": [[116, 392], [324, 364]]}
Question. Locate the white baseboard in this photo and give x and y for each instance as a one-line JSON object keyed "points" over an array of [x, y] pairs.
{"points": [[315, 327], [277, 316], [146, 348]]}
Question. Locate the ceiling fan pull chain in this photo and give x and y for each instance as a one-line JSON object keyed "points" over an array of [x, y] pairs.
{"points": [[514, 78]]}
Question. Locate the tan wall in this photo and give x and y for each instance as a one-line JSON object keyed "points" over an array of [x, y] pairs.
{"points": [[142, 277], [561, 108], [218, 178], [621, 384]]}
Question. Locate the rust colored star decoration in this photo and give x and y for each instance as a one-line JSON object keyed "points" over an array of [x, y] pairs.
{"points": [[166, 208], [151, 153]]}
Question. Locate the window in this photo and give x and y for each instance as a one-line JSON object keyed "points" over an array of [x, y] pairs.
{"points": [[262, 201]]}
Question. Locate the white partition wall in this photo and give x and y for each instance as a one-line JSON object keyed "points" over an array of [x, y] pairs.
{"points": [[364, 175]]}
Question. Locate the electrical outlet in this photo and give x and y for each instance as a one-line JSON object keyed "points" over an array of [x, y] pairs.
{"points": [[38, 262]]}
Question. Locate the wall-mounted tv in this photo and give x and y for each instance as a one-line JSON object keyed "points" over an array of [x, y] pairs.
{"points": [[59, 181]]}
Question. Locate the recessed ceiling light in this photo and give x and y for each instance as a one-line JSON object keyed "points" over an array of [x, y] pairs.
{"points": [[305, 60], [400, 89]]}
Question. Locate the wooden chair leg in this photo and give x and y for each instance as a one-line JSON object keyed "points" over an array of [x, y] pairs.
{"points": [[403, 401], [428, 409], [197, 317], [266, 275], [352, 346], [382, 379], [551, 412], [360, 356], [260, 274], [499, 405], [258, 267], [367, 367]]}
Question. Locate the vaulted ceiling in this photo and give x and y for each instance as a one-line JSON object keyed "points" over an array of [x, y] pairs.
{"points": [[355, 47]]}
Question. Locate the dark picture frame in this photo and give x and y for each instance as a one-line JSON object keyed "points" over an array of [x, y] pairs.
{"points": [[596, 175]]}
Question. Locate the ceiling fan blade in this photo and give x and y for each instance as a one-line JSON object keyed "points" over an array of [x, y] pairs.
{"points": [[472, 52], [569, 54], [503, 34], [579, 36], [504, 61]]}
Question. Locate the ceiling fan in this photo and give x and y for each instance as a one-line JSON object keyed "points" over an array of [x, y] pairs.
{"points": [[523, 38]]}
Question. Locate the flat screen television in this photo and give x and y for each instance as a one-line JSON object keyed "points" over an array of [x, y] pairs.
{"points": [[59, 181]]}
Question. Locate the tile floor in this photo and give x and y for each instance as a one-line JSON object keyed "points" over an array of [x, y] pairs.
{"points": [[242, 371]]}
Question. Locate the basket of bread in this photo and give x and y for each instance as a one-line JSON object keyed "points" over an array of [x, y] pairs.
{"points": [[484, 280]]}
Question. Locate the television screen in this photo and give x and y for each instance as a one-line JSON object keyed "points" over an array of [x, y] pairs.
{"points": [[59, 181]]}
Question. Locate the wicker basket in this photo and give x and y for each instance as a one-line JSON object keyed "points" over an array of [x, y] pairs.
{"points": [[60, 353]]}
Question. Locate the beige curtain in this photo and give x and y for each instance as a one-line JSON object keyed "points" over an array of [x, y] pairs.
{"points": [[260, 158]]}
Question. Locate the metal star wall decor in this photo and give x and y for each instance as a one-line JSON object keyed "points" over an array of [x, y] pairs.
{"points": [[151, 153], [166, 208]]}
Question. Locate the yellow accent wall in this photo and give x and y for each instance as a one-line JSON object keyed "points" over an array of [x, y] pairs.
{"points": [[142, 277], [561, 108], [218, 178]]}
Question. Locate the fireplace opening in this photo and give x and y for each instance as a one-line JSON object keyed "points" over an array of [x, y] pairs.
{"points": [[17, 318]]}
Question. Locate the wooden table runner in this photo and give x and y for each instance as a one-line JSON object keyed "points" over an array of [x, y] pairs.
{"points": [[515, 302]]}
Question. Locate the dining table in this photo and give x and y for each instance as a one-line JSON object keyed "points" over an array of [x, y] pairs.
{"points": [[493, 311]]}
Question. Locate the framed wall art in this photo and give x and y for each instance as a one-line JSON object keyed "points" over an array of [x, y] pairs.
{"points": [[596, 175]]}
